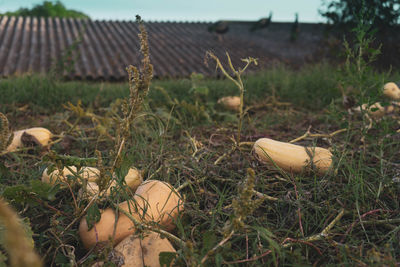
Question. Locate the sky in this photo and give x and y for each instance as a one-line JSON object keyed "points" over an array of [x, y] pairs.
{"points": [[186, 10]]}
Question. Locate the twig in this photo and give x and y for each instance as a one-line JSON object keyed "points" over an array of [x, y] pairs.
{"points": [[82, 213], [220, 244], [298, 209], [309, 134], [266, 253], [324, 232], [302, 242], [185, 184], [356, 222]]}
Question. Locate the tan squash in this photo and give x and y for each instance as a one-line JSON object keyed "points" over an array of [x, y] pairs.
{"points": [[42, 135], [132, 179], [230, 102], [293, 158], [138, 252], [391, 90], [103, 230], [159, 202], [376, 110], [88, 173], [154, 201]]}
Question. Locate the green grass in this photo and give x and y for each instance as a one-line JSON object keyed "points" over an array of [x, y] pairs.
{"points": [[364, 184], [312, 87]]}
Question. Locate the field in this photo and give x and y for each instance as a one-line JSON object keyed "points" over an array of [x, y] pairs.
{"points": [[237, 210]]}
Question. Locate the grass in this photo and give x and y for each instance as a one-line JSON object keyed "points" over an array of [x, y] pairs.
{"points": [[314, 83], [179, 138]]}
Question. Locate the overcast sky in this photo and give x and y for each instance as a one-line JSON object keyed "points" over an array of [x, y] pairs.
{"points": [[186, 10]]}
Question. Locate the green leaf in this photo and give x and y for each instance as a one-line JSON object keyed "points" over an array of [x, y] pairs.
{"points": [[18, 193], [3, 259], [218, 260], [166, 258], [209, 240], [44, 190], [267, 236], [93, 215]]}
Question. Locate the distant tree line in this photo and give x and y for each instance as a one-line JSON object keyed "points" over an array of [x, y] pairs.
{"points": [[343, 15], [48, 9], [380, 20]]}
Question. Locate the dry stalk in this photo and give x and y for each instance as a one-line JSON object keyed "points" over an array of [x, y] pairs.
{"points": [[321, 235], [19, 248], [5, 135], [309, 134], [237, 80]]}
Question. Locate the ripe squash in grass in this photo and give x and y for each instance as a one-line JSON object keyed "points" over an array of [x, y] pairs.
{"points": [[88, 173], [159, 202], [132, 179], [392, 91], [40, 136], [293, 158], [154, 201], [140, 251], [376, 110], [230, 102], [103, 230], [136, 251]]}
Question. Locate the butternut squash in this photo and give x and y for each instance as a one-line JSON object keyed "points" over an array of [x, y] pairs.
{"points": [[41, 135], [391, 90], [293, 158]]}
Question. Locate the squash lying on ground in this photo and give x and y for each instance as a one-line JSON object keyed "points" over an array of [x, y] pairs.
{"points": [[230, 102], [132, 179], [137, 251], [392, 91], [88, 173], [37, 135], [376, 110], [293, 158], [154, 202]]}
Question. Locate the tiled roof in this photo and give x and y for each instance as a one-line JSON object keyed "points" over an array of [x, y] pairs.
{"points": [[104, 48]]}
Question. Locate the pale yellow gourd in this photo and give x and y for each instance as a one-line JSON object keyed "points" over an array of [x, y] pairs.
{"points": [[376, 110], [132, 179], [392, 91], [230, 102], [293, 158], [143, 250], [88, 173], [154, 202], [42, 135]]}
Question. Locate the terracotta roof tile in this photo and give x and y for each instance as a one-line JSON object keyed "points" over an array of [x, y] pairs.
{"points": [[102, 49]]}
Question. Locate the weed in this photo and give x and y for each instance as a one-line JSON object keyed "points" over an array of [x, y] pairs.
{"points": [[237, 80]]}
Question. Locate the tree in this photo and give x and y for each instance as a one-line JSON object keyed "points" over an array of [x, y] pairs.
{"points": [[48, 9], [343, 15]]}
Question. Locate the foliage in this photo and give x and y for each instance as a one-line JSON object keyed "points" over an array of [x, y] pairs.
{"points": [[48, 9], [383, 15], [359, 76]]}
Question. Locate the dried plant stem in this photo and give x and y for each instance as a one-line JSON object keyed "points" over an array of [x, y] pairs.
{"points": [[264, 196], [187, 183], [309, 134], [324, 232], [220, 244], [237, 81], [266, 253], [20, 250], [94, 198]]}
